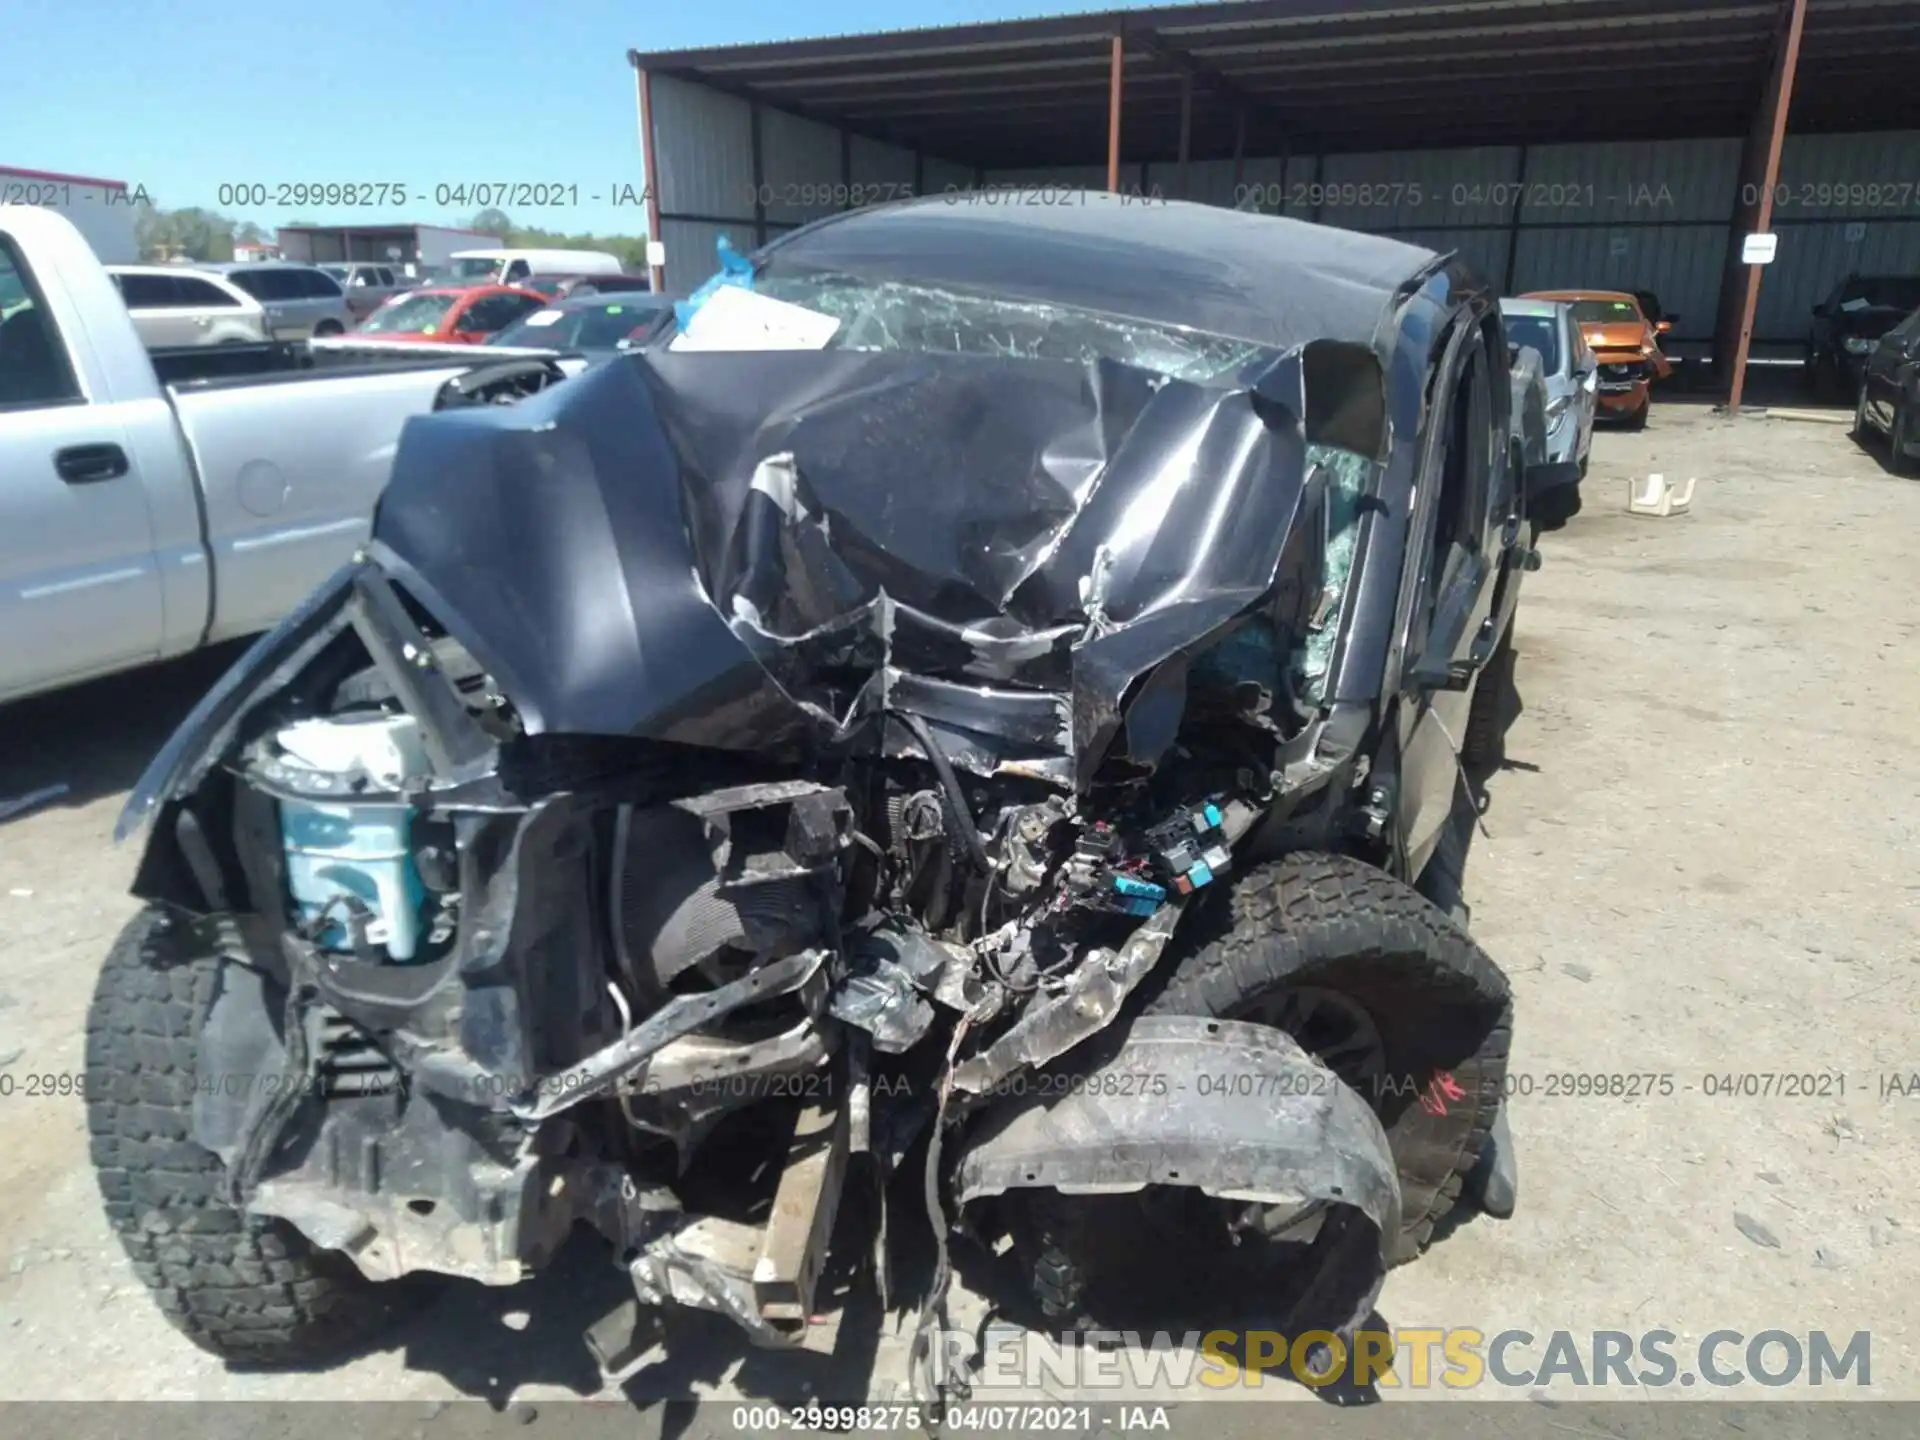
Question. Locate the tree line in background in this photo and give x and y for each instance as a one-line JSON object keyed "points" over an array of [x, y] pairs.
{"points": [[192, 233]]}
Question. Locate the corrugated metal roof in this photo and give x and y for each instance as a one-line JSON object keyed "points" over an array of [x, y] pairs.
{"points": [[1332, 75]]}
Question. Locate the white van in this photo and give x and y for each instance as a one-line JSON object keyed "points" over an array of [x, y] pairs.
{"points": [[508, 267]]}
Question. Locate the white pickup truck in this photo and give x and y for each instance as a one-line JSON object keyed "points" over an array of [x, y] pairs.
{"points": [[142, 518]]}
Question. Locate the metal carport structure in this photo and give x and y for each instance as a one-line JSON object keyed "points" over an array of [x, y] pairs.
{"points": [[1552, 141]]}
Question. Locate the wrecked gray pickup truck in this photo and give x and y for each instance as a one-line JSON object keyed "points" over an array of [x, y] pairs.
{"points": [[1003, 742]]}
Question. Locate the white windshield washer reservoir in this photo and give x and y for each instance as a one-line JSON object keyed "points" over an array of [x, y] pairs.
{"points": [[350, 849]]}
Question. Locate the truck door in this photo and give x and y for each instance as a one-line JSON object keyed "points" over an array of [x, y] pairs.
{"points": [[1456, 561], [80, 584]]}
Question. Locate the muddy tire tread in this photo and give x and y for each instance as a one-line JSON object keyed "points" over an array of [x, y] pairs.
{"points": [[1310, 916], [247, 1289]]}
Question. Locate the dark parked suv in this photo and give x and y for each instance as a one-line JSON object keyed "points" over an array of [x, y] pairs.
{"points": [[1847, 324], [1889, 399], [919, 765]]}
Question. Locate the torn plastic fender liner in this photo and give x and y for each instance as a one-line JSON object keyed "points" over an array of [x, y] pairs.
{"points": [[1277, 1128]]}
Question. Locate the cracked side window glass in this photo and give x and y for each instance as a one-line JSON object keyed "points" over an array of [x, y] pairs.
{"points": [[891, 315], [1350, 481]]}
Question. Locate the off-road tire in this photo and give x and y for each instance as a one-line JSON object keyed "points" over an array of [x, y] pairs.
{"points": [[327, 329], [1638, 420], [1442, 1007], [1484, 745], [1861, 430], [249, 1290]]}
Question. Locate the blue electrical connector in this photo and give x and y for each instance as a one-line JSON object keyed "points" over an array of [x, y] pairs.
{"points": [[1191, 848], [1139, 897]]}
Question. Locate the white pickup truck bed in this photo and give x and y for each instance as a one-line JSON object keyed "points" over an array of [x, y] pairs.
{"points": [[140, 520]]}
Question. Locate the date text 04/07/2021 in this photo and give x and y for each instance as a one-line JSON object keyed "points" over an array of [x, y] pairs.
{"points": [[996, 1419]]}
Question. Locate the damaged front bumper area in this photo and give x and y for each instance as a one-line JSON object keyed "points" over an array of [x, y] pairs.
{"points": [[708, 863]]}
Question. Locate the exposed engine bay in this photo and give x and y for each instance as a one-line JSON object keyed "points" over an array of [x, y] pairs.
{"points": [[815, 814]]}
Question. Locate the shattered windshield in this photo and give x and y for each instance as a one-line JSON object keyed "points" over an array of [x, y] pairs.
{"points": [[892, 315]]}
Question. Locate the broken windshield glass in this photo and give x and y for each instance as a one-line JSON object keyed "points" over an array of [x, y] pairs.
{"points": [[888, 315]]}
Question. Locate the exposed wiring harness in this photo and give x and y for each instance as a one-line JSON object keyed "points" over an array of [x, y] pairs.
{"points": [[960, 813]]}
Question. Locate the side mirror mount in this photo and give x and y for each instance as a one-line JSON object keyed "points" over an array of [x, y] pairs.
{"points": [[1553, 493]]}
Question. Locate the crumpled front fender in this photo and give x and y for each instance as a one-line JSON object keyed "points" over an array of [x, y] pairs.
{"points": [[1234, 1109]]}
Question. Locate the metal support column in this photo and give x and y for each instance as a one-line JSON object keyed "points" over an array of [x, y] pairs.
{"points": [[643, 99], [1779, 100], [1239, 150], [759, 174], [1513, 223], [1186, 130], [1114, 80]]}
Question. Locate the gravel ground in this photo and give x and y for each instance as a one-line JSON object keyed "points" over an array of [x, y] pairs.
{"points": [[1697, 864]]}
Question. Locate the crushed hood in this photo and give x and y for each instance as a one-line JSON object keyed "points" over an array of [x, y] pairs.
{"points": [[760, 550]]}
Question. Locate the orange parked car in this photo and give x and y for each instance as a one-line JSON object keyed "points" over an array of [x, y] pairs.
{"points": [[1625, 343], [450, 314]]}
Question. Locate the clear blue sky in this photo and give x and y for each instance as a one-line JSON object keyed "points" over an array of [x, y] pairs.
{"points": [[184, 96]]}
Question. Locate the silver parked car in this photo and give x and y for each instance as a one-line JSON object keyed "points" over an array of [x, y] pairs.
{"points": [[300, 300], [368, 286], [1569, 367], [173, 306]]}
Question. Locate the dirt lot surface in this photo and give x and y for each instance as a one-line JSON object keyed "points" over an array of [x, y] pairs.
{"points": [[1698, 865]]}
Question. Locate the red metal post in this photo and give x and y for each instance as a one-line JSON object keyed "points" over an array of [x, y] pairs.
{"points": [[643, 94], [1786, 63], [1113, 114]]}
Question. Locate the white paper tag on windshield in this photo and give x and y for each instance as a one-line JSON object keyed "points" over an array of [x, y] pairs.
{"points": [[735, 318], [543, 317]]}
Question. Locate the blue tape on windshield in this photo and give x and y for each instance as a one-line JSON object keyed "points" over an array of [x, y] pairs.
{"points": [[735, 269]]}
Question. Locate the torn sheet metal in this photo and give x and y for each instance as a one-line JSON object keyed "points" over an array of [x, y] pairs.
{"points": [[603, 1071], [882, 1001], [707, 1264], [937, 968], [1052, 1025], [721, 549]]}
